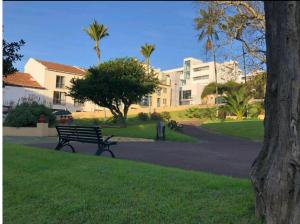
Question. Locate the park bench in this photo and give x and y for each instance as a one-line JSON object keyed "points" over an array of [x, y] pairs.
{"points": [[67, 134]]}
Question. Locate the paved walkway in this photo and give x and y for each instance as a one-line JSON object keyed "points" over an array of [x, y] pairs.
{"points": [[213, 153]]}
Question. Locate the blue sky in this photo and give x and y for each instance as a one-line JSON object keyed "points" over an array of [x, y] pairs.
{"points": [[53, 31]]}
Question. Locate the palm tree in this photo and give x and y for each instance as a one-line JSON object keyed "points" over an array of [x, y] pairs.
{"points": [[208, 23], [96, 32], [146, 51], [237, 102]]}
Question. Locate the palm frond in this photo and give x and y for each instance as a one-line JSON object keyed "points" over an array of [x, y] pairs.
{"points": [[146, 50]]}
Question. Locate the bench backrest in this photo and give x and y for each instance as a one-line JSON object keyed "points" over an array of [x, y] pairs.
{"points": [[80, 133]]}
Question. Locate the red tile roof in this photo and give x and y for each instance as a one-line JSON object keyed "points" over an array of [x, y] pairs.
{"points": [[22, 79], [62, 68]]}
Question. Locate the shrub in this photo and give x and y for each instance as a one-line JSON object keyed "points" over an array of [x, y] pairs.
{"points": [[222, 113], [237, 102], [165, 115], [155, 116], [201, 113], [256, 109], [143, 116], [27, 114], [193, 113]]}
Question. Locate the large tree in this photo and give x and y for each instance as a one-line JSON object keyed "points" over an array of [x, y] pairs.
{"points": [[243, 22], [11, 55], [275, 173], [116, 85], [96, 32]]}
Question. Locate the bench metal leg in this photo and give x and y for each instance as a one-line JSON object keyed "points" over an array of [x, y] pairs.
{"points": [[68, 144], [62, 144], [58, 147], [111, 153], [101, 149]]}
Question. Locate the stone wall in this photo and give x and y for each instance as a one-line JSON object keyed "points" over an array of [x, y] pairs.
{"points": [[41, 130]]}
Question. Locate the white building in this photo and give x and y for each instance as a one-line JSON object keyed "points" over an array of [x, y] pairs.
{"points": [[189, 81], [46, 81]]}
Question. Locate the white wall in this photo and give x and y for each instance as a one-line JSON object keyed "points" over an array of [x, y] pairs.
{"points": [[36, 70], [12, 95]]}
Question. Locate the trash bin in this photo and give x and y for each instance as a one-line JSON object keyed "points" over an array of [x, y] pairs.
{"points": [[160, 131]]}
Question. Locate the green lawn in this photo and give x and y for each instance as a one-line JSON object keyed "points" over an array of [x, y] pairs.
{"points": [[147, 130], [253, 130], [46, 186], [138, 129]]}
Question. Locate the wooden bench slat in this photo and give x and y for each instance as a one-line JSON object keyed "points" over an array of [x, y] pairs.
{"points": [[83, 137], [79, 130], [80, 133], [83, 140], [79, 127]]}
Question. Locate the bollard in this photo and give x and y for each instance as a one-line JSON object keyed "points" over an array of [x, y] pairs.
{"points": [[160, 131]]}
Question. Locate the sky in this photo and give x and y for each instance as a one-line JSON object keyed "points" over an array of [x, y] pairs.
{"points": [[53, 31]]}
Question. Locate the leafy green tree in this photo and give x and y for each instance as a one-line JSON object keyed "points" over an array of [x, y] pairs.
{"points": [[116, 85], [146, 51], [96, 32], [222, 88], [242, 22], [257, 86], [11, 55], [208, 24], [237, 102]]}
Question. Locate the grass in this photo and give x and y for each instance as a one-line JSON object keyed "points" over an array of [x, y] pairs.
{"points": [[252, 129], [147, 130], [44, 186], [138, 129]]}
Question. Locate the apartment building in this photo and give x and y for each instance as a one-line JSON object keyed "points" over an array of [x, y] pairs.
{"points": [[189, 81], [48, 82], [161, 98]]}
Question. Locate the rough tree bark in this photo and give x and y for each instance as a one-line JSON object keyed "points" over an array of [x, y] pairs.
{"points": [[275, 174]]}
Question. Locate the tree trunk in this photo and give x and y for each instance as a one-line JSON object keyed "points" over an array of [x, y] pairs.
{"points": [[216, 77], [275, 173]]}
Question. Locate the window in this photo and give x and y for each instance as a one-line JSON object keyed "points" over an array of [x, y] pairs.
{"points": [[158, 91], [183, 82], [158, 102], [164, 101], [187, 75], [198, 69], [150, 99], [164, 90], [60, 82], [187, 67], [59, 98], [201, 77], [144, 101], [77, 103], [186, 94]]}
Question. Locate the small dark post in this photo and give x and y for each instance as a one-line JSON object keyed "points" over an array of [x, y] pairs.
{"points": [[160, 131]]}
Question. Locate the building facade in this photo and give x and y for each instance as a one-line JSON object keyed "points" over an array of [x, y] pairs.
{"points": [[161, 97], [189, 81], [48, 82]]}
